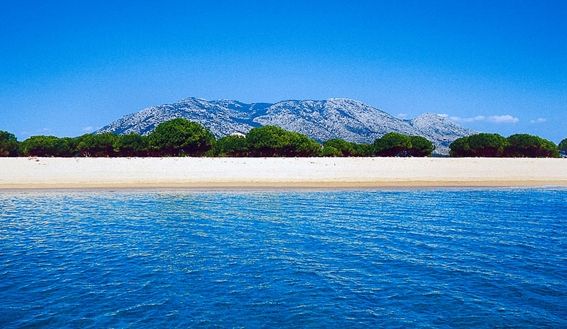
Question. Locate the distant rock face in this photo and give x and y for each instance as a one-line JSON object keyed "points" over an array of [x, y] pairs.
{"points": [[320, 119], [440, 130]]}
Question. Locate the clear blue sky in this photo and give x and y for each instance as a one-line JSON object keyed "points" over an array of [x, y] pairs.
{"points": [[71, 66]]}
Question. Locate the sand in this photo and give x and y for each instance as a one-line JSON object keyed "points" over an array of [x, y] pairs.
{"points": [[86, 173]]}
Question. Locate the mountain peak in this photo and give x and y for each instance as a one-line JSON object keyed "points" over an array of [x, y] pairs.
{"points": [[431, 115], [322, 120], [191, 99], [343, 100]]}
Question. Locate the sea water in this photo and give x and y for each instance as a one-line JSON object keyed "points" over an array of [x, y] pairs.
{"points": [[347, 258]]}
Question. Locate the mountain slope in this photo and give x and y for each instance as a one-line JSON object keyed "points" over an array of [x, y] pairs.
{"points": [[221, 117], [440, 129], [320, 119], [336, 117]]}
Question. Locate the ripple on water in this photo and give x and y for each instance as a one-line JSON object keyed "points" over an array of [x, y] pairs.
{"points": [[403, 258]]}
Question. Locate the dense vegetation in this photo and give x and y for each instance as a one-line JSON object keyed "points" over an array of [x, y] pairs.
{"points": [[341, 148], [8, 144], [394, 144], [494, 145], [273, 141], [180, 137]]}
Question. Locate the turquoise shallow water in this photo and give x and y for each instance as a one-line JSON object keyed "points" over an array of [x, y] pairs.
{"points": [[400, 258]]}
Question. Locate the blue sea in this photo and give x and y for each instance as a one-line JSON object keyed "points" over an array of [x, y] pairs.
{"points": [[297, 258]]}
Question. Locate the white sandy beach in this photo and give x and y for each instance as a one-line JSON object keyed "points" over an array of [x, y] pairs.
{"points": [[79, 173]]}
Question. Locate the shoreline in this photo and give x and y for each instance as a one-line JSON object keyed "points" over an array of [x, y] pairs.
{"points": [[17, 174], [280, 185]]}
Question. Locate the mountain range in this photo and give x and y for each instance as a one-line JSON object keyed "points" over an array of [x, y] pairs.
{"points": [[320, 119]]}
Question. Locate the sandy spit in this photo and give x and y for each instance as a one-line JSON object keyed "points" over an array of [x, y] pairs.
{"points": [[87, 173]]}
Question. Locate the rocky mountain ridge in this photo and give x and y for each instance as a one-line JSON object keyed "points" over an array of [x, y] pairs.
{"points": [[320, 119]]}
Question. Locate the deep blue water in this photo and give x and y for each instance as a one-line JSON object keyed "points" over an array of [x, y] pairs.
{"points": [[399, 258]]}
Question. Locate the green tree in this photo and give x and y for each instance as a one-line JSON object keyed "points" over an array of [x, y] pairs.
{"points": [[69, 147], [479, 145], [363, 150], [460, 147], [272, 141], [420, 147], [231, 146], [487, 145], [340, 148], [330, 151], [563, 146], [392, 144], [302, 146], [267, 141], [131, 145], [45, 146], [346, 149], [524, 145], [97, 145], [8, 144], [180, 137]]}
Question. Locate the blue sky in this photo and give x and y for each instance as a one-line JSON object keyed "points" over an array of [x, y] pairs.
{"points": [[67, 67]]}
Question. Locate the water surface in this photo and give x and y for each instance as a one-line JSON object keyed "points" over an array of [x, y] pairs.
{"points": [[399, 258]]}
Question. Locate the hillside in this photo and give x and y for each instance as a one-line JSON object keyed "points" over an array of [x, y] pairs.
{"points": [[320, 119]]}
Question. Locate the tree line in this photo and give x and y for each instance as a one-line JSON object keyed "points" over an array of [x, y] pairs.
{"points": [[180, 137], [514, 146]]}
